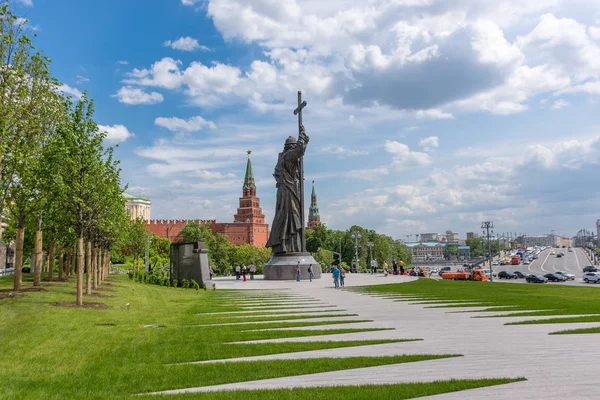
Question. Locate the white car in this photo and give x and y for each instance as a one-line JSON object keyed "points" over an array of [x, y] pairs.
{"points": [[591, 277], [494, 262], [568, 275], [525, 262]]}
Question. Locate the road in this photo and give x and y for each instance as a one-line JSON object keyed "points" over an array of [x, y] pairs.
{"points": [[572, 261]]}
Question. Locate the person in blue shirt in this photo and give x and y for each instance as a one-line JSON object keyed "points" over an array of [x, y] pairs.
{"points": [[335, 271], [311, 275], [298, 272]]}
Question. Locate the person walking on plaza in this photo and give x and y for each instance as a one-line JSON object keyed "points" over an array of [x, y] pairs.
{"points": [[252, 271], [372, 267], [342, 276], [395, 266], [336, 276], [375, 266], [401, 264], [298, 272], [244, 272], [210, 272], [385, 268], [311, 275], [238, 270]]}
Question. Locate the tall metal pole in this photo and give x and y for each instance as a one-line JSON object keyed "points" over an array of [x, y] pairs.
{"points": [[487, 225], [370, 244]]}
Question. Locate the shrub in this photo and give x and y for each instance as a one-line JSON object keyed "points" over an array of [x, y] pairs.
{"points": [[194, 284], [185, 284], [174, 283]]}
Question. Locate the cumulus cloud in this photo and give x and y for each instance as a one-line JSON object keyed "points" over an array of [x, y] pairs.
{"points": [[115, 133], [429, 143], [27, 3], [192, 124], [404, 157], [132, 95], [185, 44], [71, 91], [558, 104], [341, 151]]}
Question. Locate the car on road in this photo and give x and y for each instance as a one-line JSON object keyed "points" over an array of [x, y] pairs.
{"points": [[487, 272], [570, 250], [502, 262], [506, 275], [526, 262], [555, 277], [591, 277], [559, 255], [520, 275], [568, 275], [536, 279], [590, 268], [495, 263], [552, 253], [444, 269]]}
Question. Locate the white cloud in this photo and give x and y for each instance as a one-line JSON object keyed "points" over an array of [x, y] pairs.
{"points": [[185, 44], [81, 79], [122, 62], [558, 104], [594, 32], [210, 175], [592, 87], [341, 151], [190, 2], [131, 95], [115, 133], [219, 78], [429, 143], [164, 73], [27, 3], [68, 90], [192, 124], [404, 157]]}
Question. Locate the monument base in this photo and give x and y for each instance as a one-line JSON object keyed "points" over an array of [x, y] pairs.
{"points": [[282, 267]]}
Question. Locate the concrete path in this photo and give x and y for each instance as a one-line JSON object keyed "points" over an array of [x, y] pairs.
{"points": [[556, 367]]}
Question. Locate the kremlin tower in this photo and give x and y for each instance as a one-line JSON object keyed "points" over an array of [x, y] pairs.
{"points": [[314, 218]]}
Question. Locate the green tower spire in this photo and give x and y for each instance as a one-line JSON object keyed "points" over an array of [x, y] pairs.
{"points": [[249, 178]]}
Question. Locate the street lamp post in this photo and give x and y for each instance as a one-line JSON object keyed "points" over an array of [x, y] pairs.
{"points": [[356, 235], [370, 244], [487, 225]]}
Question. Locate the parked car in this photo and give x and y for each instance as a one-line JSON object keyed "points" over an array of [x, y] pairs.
{"points": [[520, 275], [487, 272], [591, 277], [526, 262], [555, 277], [536, 279], [506, 275], [568, 275], [494, 262], [590, 268], [502, 262]]}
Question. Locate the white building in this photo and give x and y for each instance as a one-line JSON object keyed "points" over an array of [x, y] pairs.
{"points": [[428, 251], [137, 206]]}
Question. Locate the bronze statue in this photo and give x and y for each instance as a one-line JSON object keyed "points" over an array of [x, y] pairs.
{"points": [[287, 230]]}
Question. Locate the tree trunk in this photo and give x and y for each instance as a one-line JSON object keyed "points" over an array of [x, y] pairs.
{"points": [[19, 257], [96, 270], [51, 257], [80, 267], [61, 262], [74, 259], [106, 263], [88, 269], [37, 258]]}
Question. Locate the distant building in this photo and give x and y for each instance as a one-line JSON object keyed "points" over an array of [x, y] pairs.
{"points": [[563, 241], [451, 237], [464, 252], [428, 237], [314, 218], [248, 226], [137, 206], [427, 251], [472, 235], [598, 232]]}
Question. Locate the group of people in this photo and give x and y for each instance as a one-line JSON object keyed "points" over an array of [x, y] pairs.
{"points": [[397, 267], [339, 275], [241, 271], [298, 271]]}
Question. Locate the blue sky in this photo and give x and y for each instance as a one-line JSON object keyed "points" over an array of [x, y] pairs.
{"points": [[424, 115]]}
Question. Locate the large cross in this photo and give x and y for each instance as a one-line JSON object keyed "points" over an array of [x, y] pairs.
{"points": [[298, 112]]}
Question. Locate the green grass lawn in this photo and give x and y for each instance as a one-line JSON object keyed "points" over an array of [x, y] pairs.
{"points": [[49, 351], [396, 392], [520, 299]]}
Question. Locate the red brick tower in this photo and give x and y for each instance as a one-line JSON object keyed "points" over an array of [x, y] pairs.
{"points": [[314, 218], [249, 209]]}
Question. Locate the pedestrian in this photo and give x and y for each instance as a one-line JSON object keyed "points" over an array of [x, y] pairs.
{"points": [[372, 267], [375, 266], [297, 270], [401, 263], [238, 270], [244, 272], [385, 268], [395, 266], [342, 276], [311, 275], [252, 271], [210, 272], [336, 276]]}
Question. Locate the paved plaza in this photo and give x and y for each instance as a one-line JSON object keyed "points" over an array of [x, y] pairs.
{"points": [[556, 367]]}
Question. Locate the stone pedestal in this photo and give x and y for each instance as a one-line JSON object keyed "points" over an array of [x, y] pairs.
{"points": [[282, 267]]}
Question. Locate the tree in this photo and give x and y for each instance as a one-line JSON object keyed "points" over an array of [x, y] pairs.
{"points": [[196, 232], [324, 257], [137, 239], [452, 250]]}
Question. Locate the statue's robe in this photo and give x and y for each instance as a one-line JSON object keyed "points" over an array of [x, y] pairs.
{"points": [[286, 230]]}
